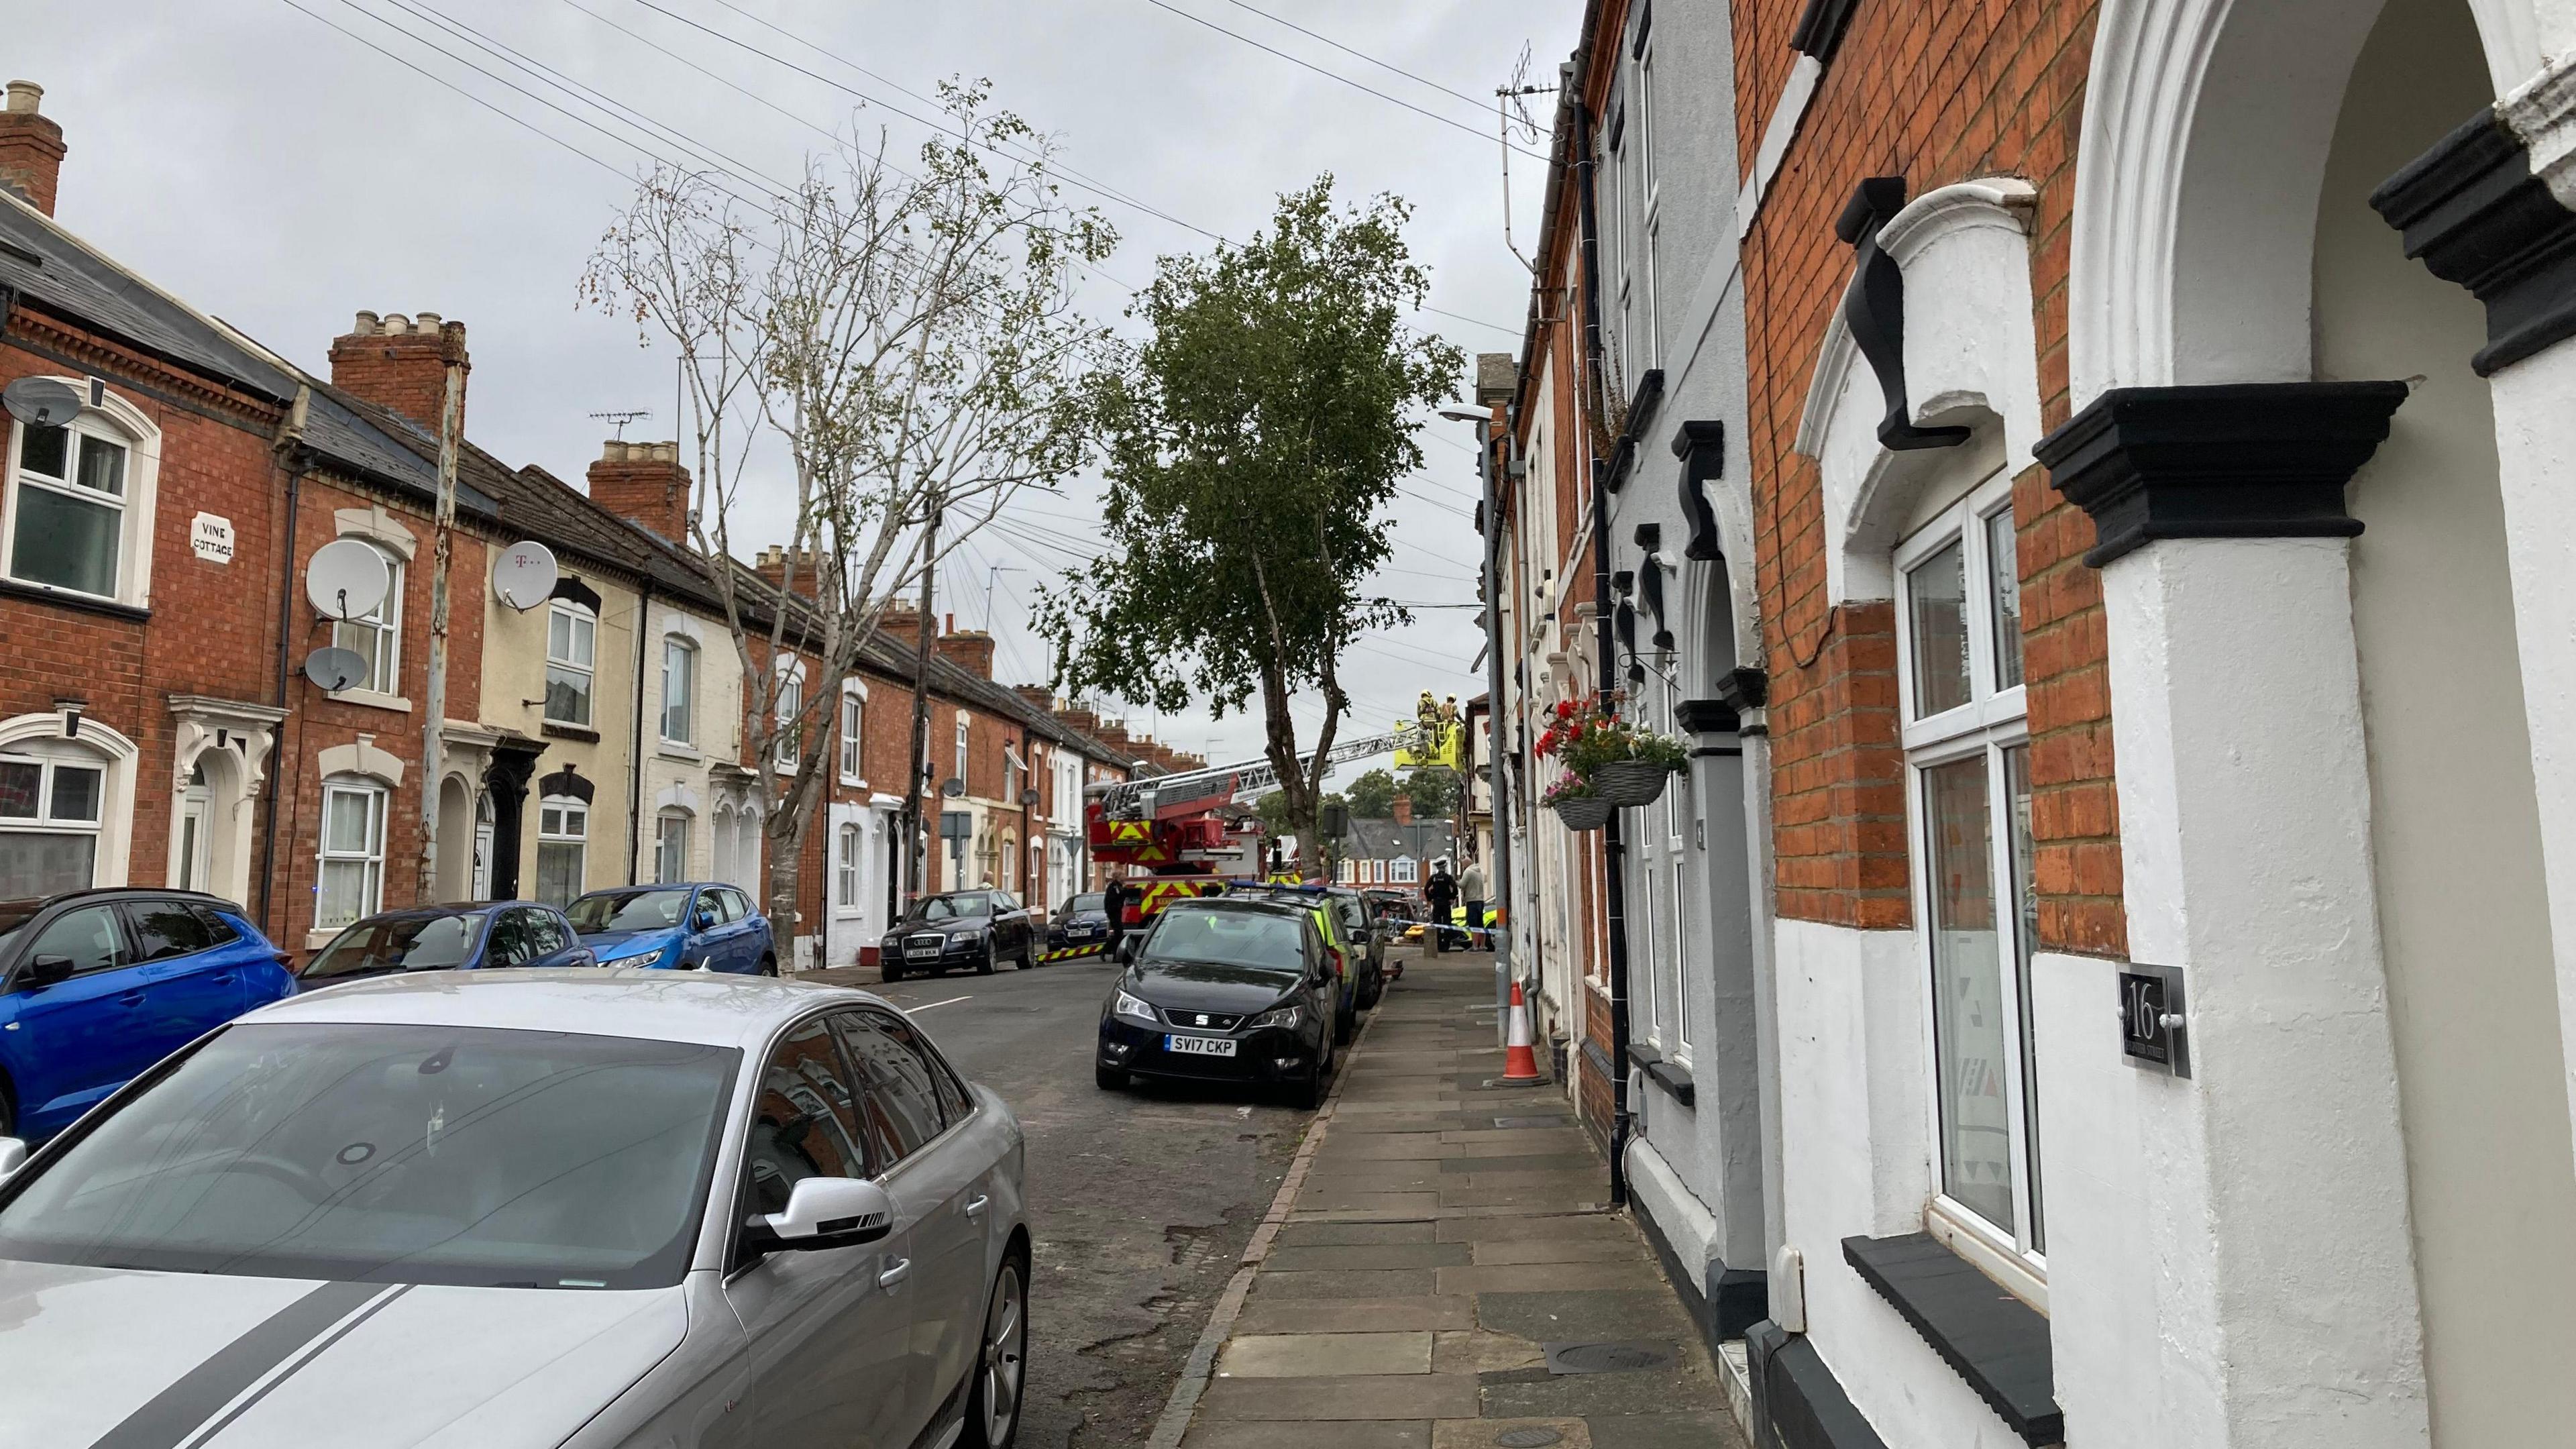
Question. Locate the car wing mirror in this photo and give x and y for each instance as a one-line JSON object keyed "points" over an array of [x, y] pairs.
{"points": [[47, 970], [13, 1155], [831, 1212]]}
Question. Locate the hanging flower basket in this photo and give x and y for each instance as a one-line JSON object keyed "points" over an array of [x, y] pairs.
{"points": [[1584, 812], [1630, 782]]}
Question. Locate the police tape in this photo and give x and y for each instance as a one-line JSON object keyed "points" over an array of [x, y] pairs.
{"points": [[1071, 953]]}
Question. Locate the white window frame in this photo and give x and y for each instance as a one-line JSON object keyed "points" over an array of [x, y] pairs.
{"points": [[965, 723], [384, 622], [51, 757], [848, 842], [563, 809], [1991, 722], [787, 715], [1641, 104], [111, 419], [666, 869], [370, 857], [1641, 913], [854, 733], [1404, 870], [679, 649], [581, 625]]}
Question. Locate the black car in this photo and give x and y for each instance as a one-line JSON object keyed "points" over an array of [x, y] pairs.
{"points": [[981, 929], [1083, 921], [1228, 990], [1367, 935]]}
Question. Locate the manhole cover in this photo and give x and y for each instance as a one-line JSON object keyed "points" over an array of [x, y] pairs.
{"points": [[1534, 1437], [1607, 1358]]}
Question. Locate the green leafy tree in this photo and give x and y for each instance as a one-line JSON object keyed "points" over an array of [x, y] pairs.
{"points": [[1253, 440], [1372, 796], [1434, 792]]}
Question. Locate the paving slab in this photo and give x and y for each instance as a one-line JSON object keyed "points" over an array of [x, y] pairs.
{"points": [[1492, 1139], [1348, 1283], [1482, 1433], [1584, 1316], [1369, 1124], [1549, 1277], [1327, 1180], [1464, 1159], [1555, 1227], [1549, 1250], [1321, 1355], [1698, 1429], [1374, 1146], [1342, 1396], [1355, 1315], [1314, 1199], [1344, 1256], [1478, 1352], [1538, 1198], [1326, 1235], [1348, 1434], [1599, 1396]]}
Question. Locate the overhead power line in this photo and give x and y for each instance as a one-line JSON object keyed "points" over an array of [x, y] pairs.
{"points": [[1477, 102], [1476, 131]]}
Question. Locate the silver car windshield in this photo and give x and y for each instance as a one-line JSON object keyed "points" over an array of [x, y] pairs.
{"points": [[396, 1154]]}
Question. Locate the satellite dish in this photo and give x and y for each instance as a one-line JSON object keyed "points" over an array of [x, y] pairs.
{"points": [[524, 575], [953, 788], [335, 669], [347, 578], [1029, 796], [41, 402]]}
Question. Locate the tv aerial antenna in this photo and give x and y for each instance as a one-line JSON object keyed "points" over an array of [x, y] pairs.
{"points": [[620, 420], [1512, 114]]}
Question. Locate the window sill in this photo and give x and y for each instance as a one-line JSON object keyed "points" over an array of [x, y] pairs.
{"points": [[1671, 1076], [582, 733], [86, 603], [315, 940], [1996, 1342], [678, 750], [372, 699]]}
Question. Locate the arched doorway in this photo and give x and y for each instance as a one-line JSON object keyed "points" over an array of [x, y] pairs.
{"points": [[457, 852]]}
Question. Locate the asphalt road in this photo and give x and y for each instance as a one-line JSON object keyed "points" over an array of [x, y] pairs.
{"points": [[1140, 1201]]}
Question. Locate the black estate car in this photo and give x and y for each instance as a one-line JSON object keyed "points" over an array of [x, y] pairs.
{"points": [[1225, 989], [981, 929], [1083, 921]]}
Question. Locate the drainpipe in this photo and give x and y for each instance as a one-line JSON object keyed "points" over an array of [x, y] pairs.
{"points": [[635, 760], [1614, 885], [291, 453]]}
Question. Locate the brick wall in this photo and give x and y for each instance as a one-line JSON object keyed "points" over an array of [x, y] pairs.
{"points": [[1937, 94]]}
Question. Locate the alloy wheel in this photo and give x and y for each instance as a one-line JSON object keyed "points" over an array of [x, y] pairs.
{"points": [[1004, 1360]]}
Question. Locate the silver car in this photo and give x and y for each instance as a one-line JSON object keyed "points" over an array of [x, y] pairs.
{"points": [[492, 1209]]}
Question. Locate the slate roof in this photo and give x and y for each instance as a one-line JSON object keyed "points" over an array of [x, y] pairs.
{"points": [[54, 271], [1423, 840]]}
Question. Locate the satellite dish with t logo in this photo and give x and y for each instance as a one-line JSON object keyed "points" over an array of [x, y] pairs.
{"points": [[523, 575], [41, 402], [347, 579]]}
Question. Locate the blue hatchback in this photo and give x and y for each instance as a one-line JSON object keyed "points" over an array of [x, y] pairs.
{"points": [[96, 986], [681, 926], [481, 935]]}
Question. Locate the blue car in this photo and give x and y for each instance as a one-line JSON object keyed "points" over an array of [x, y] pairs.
{"points": [[682, 926], [97, 985], [481, 935]]}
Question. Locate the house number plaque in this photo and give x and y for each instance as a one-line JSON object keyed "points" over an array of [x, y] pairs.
{"points": [[2153, 1035]]}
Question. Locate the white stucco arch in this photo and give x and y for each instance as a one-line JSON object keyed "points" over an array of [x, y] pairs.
{"points": [[2206, 127], [1970, 356], [361, 758]]}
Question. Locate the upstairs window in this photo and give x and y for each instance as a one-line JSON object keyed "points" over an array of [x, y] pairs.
{"points": [[790, 714], [353, 852], [572, 649], [853, 733], [961, 747], [70, 510], [679, 690], [376, 635]]}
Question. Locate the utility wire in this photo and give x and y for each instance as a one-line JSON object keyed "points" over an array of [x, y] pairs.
{"points": [[1477, 102], [1475, 131]]}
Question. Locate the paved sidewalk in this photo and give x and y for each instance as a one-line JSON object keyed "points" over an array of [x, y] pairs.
{"points": [[1435, 1238]]}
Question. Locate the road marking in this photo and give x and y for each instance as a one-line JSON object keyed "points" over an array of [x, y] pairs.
{"points": [[925, 1006]]}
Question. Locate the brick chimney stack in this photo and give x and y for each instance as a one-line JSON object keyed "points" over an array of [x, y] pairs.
{"points": [[970, 649], [400, 363], [1403, 808], [1036, 694], [644, 483], [31, 147], [771, 564]]}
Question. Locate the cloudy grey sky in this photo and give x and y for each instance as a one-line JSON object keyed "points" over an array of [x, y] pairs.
{"points": [[284, 175]]}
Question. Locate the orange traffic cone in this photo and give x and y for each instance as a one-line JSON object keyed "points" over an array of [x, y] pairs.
{"points": [[1520, 1064]]}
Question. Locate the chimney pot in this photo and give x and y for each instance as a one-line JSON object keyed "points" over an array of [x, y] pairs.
{"points": [[643, 483], [426, 321], [26, 97], [395, 363], [397, 325], [368, 325], [31, 147]]}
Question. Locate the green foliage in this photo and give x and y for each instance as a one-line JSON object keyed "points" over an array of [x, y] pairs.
{"points": [[1434, 794], [1372, 795], [1252, 442]]}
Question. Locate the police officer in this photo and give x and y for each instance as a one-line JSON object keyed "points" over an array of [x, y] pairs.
{"points": [[1442, 892]]}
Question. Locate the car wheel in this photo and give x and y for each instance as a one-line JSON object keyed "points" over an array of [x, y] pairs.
{"points": [[1345, 1023], [1308, 1095], [993, 1407], [1028, 958], [992, 959], [1109, 1079], [768, 965], [890, 974]]}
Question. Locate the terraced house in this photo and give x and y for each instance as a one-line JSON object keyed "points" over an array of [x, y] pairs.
{"points": [[157, 725], [2156, 1021]]}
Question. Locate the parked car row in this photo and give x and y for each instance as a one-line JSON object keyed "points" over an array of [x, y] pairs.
{"points": [[97, 985]]}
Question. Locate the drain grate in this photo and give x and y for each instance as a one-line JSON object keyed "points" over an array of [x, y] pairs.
{"points": [[1536, 1436], [1627, 1356]]}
